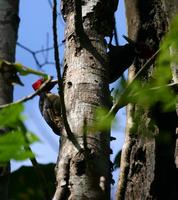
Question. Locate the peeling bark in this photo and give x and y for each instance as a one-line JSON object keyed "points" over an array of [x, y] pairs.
{"points": [[148, 168], [9, 21], [85, 174]]}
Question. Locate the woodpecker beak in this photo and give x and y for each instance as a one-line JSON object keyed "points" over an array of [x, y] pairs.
{"points": [[54, 81], [16, 80], [130, 41]]}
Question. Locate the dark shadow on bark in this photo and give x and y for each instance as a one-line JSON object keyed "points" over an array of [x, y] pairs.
{"points": [[166, 173]]}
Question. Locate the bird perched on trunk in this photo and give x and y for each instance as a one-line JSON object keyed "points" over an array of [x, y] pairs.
{"points": [[121, 57], [50, 106]]}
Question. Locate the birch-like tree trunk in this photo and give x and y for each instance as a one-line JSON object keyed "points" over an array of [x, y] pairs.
{"points": [[9, 21], [148, 169], [85, 174]]}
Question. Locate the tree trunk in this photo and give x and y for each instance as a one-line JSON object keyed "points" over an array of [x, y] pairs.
{"points": [[85, 174], [9, 21], [148, 169]]}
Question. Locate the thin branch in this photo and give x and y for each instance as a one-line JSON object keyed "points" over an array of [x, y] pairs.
{"points": [[31, 96], [58, 13], [120, 102], [50, 3], [173, 86], [44, 50], [115, 33], [34, 54], [37, 51], [24, 47], [60, 83]]}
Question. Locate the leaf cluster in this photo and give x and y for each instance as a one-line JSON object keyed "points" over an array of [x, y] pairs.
{"points": [[14, 138]]}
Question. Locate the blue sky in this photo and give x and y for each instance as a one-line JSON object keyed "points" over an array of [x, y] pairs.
{"points": [[35, 27]]}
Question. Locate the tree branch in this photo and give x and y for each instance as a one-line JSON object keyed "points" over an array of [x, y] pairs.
{"points": [[34, 54], [31, 96], [60, 84]]}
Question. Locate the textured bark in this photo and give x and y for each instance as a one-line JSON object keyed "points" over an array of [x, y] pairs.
{"points": [[172, 8], [148, 168], [8, 35], [86, 174]]}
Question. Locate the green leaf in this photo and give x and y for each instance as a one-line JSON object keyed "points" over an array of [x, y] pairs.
{"points": [[9, 116], [119, 88], [151, 93], [27, 70], [102, 122], [23, 70], [31, 137], [13, 145]]}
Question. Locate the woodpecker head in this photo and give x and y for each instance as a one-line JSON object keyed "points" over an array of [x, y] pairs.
{"points": [[47, 87], [142, 50]]}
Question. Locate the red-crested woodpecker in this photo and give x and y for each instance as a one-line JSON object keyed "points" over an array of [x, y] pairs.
{"points": [[49, 105]]}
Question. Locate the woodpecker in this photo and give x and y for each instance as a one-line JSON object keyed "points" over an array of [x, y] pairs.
{"points": [[121, 57], [49, 105]]}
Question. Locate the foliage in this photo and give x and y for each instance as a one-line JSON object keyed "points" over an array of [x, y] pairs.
{"points": [[25, 184], [15, 142], [16, 69], [158, 91], [102, 123]]}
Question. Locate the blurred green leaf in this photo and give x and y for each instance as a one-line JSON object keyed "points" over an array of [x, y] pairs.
{"points": [[9, 116], [156, 90], [31, 137], [119, 88], [151, 93], [27, 70], [102, 123], [23, 70], [15, 142], [14, 146]]}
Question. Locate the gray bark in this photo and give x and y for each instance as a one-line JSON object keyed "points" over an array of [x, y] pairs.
{"points": [[86, 174], [148, 169], [8, 35]]}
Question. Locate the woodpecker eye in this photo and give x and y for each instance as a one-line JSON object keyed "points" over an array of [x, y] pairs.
{"points": [[37, 84]]}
